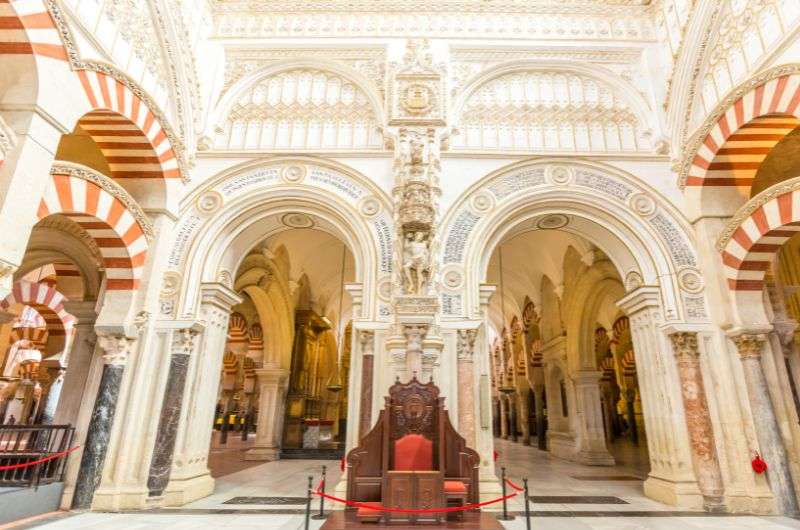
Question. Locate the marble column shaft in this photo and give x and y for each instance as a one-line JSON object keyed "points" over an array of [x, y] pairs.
{"points": [[52, 398], [592, 448], [99, 433], [164, 449], [541, 438], [267, 445], [466, 385], [750, 346], [367, 343], [698, 420], [504, 417]]}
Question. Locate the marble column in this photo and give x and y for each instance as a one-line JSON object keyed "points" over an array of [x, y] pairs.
{"points": [[78, 363], [750, 346], [367, 343], [504, 417], [52, 381], [591, 443], [466, 384], [161, 463], [525, 412], [513, 410], [116, 350], [541, 436], [698, 421], [271, 383]]}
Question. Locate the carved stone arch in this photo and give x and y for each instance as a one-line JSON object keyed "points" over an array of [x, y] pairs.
{"points": [[621, 89], [241, 207], [315, 67], [646, 238]]}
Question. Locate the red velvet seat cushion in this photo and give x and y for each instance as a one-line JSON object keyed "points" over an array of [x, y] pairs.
{"points": [[454, 486], [413, 452], [366, 512]]}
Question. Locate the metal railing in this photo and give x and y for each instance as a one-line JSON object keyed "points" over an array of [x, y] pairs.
{"points": [[23, 444]]}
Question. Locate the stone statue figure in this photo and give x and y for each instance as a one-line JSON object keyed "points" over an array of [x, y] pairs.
{"points": [[416, 262]]}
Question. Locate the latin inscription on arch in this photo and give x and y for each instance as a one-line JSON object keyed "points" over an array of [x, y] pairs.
{"points": [[502, 187], [383, 232], [184, 234], [602, 183], [260, 176], [681, 252], [335, 181], [457, 238]]}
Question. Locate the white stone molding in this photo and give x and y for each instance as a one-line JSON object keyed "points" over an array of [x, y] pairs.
{"points": [[8, 140], [249, 116], [523, 97], [116, 348], [655, 246], [256, 198]]}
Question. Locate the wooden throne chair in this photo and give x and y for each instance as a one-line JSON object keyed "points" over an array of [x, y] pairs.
{"points": [[412, 459]]}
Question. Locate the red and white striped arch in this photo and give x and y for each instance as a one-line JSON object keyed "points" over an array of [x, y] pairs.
{"points": [[118, 234], [256, 346], [26, 28], [46, 300], [237, 331], [752, 246], [738, 142], [126, 130]]}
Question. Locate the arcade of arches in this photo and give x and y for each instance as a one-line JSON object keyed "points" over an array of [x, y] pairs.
{"points": [[224, 238]]}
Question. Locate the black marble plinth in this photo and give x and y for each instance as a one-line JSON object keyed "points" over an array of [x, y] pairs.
{"points": [[164, 448], [96, 446]]}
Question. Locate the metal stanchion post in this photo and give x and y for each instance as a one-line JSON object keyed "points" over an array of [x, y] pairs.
{"points": [[308, 502], [321, 514], [505, 516], [527, 505]]}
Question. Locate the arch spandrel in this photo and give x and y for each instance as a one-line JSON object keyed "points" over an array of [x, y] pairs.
{"points": [[648, 241], [227, 217]]}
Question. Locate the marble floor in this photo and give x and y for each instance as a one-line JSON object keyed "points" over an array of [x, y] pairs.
{"points": [[601, 498]]}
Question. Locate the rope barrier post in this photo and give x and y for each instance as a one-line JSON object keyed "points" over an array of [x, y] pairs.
{"points": [[321, 514], [527, 505], [505, 516], [308, 502]]}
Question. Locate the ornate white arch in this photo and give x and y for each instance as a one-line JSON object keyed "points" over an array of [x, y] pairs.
{"points": [[621, 88], [241, 207], [645, 237]]}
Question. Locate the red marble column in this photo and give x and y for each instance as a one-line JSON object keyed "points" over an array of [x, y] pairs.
{"points": [[698, 421], [367, 342]]}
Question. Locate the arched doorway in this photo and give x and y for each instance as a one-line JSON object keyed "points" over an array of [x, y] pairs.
{"points": [[631, 255]]}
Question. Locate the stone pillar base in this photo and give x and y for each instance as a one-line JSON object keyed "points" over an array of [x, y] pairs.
{"points": [[263, 454], [595, 458], [114, 500], [490, 488], [181, 491], [680, 494]]}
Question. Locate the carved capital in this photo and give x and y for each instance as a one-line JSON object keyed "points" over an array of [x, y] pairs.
{"points": [[366, 339], [116, 349], [183, 341], [466, 344], [415, 333], [684, 344], [750, 345]]}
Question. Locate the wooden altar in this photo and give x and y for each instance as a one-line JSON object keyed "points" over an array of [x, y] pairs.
{"points": [[413, 458]]}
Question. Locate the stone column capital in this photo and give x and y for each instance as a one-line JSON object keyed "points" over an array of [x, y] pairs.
{"points": [[640, 299], [750, 345], [116, 348], [587, 377], [220, 295], [184, 341], [684, 344], [273, 376], [466, 344], [366, 339]]}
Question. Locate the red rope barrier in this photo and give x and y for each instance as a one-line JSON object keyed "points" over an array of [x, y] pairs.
{"points": [[42, 461], [513, 485], [409, 510], [321, 484]]}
